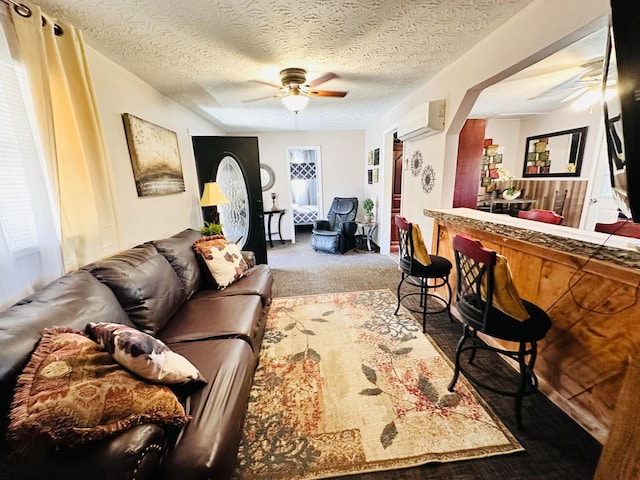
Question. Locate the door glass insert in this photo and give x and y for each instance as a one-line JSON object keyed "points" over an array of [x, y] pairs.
{"points": [[234, 216]]}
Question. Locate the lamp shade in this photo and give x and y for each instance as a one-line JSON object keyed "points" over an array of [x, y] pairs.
{"points": [[295, 102], [212, 195]]}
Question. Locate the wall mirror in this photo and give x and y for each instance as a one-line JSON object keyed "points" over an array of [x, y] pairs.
{"points": [[557, 154], [267, 177]]}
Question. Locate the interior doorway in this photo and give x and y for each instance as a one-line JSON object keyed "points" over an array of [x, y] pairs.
{"points": [[396, 192], [234, 162], [602, 206], [305, 186]]}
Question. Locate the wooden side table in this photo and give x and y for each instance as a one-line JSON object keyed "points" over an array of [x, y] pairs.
{"points": [[269, 214]]}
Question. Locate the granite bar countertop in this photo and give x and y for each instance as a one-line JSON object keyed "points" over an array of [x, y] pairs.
{"points": [[622, 251]]}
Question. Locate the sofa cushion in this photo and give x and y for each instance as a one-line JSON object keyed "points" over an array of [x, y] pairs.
{"points": [[144, 355], [178, 250], [144, 283], [72, 300], [207, 446], [73, 392], [223, 259], [255, 281], [205, 317]]}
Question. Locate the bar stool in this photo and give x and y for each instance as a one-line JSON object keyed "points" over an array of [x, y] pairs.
{"points": [[489, 304], [421, 270]]}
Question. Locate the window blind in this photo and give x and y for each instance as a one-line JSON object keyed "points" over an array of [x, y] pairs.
{"points": [[17, 216]]}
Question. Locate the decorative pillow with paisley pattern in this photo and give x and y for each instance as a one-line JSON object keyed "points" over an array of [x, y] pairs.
{"points": [[72, 392]]}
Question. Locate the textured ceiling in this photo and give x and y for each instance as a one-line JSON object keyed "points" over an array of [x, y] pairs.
{"points": [[211, 55]]}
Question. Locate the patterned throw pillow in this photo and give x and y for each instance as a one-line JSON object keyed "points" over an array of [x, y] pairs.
{"points": [[143, 354], [223, 259], [73, 392]]}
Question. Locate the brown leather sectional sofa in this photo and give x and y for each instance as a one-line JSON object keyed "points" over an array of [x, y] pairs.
{"points": [[158, 287]]}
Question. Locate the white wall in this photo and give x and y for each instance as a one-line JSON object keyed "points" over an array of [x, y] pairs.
{"points": [[414, 196], [512, 47], [506, 134], [145, 218], [342, 168]]}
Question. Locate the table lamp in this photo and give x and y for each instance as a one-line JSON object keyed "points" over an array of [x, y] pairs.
{"points": [[212, 197]]}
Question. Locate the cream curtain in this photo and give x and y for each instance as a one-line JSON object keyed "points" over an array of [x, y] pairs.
{"points": [[29, 239], [71, 132]]}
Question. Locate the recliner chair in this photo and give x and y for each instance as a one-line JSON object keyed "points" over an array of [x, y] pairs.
{"points": [[337, 233]]}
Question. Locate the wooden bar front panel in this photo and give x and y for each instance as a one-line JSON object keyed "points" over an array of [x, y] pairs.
{"points": [[595, 310]]}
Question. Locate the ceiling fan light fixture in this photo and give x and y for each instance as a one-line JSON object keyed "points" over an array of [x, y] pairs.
{"points": [[295, 102], [591, 97]]}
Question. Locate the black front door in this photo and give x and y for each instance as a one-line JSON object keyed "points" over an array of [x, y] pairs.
{"points": [[235, 163]]}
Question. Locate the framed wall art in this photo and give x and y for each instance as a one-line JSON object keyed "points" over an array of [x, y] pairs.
{"points": [[490, 163], [155, 158]]}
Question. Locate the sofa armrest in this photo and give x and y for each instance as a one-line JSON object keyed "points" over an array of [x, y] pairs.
{"points": [[249, 257], [134, 453], [207, 446]]}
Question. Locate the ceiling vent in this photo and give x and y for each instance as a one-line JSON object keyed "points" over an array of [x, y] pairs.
{"points": [[427, 119]]}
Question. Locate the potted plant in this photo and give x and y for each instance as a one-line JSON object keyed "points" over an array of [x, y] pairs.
{"points": [[211, 228], [367, 206], [510, 193]]}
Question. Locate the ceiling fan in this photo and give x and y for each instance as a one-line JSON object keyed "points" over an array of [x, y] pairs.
{"points": [[295, 91], [586, 84]]}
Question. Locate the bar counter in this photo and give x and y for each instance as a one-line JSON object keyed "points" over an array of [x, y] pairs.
{"points": [[588, 284]]}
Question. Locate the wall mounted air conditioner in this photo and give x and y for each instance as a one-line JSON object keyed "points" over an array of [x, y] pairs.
{"points": [[427, 119]]}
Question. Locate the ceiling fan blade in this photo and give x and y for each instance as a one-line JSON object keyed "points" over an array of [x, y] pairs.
{"points": [[279, 87], [324, 78], [257, 99], [325, 93], [277, 95], [576, 94], [566, 86]]}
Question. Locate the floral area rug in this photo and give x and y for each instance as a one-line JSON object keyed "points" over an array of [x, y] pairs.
{"points": [[345, 386]]}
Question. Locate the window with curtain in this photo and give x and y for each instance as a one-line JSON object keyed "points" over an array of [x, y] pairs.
{"points": [[29, 239]]}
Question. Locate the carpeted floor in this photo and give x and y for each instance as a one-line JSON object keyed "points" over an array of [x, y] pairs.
{"points": [[556, 447], [346, 386]]}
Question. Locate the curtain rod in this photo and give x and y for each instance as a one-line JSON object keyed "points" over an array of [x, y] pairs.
{"points": [[25, 12], [20, 8]]}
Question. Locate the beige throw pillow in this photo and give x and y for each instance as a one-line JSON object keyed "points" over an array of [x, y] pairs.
{"points": [[420, 252], [505, 295]]}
